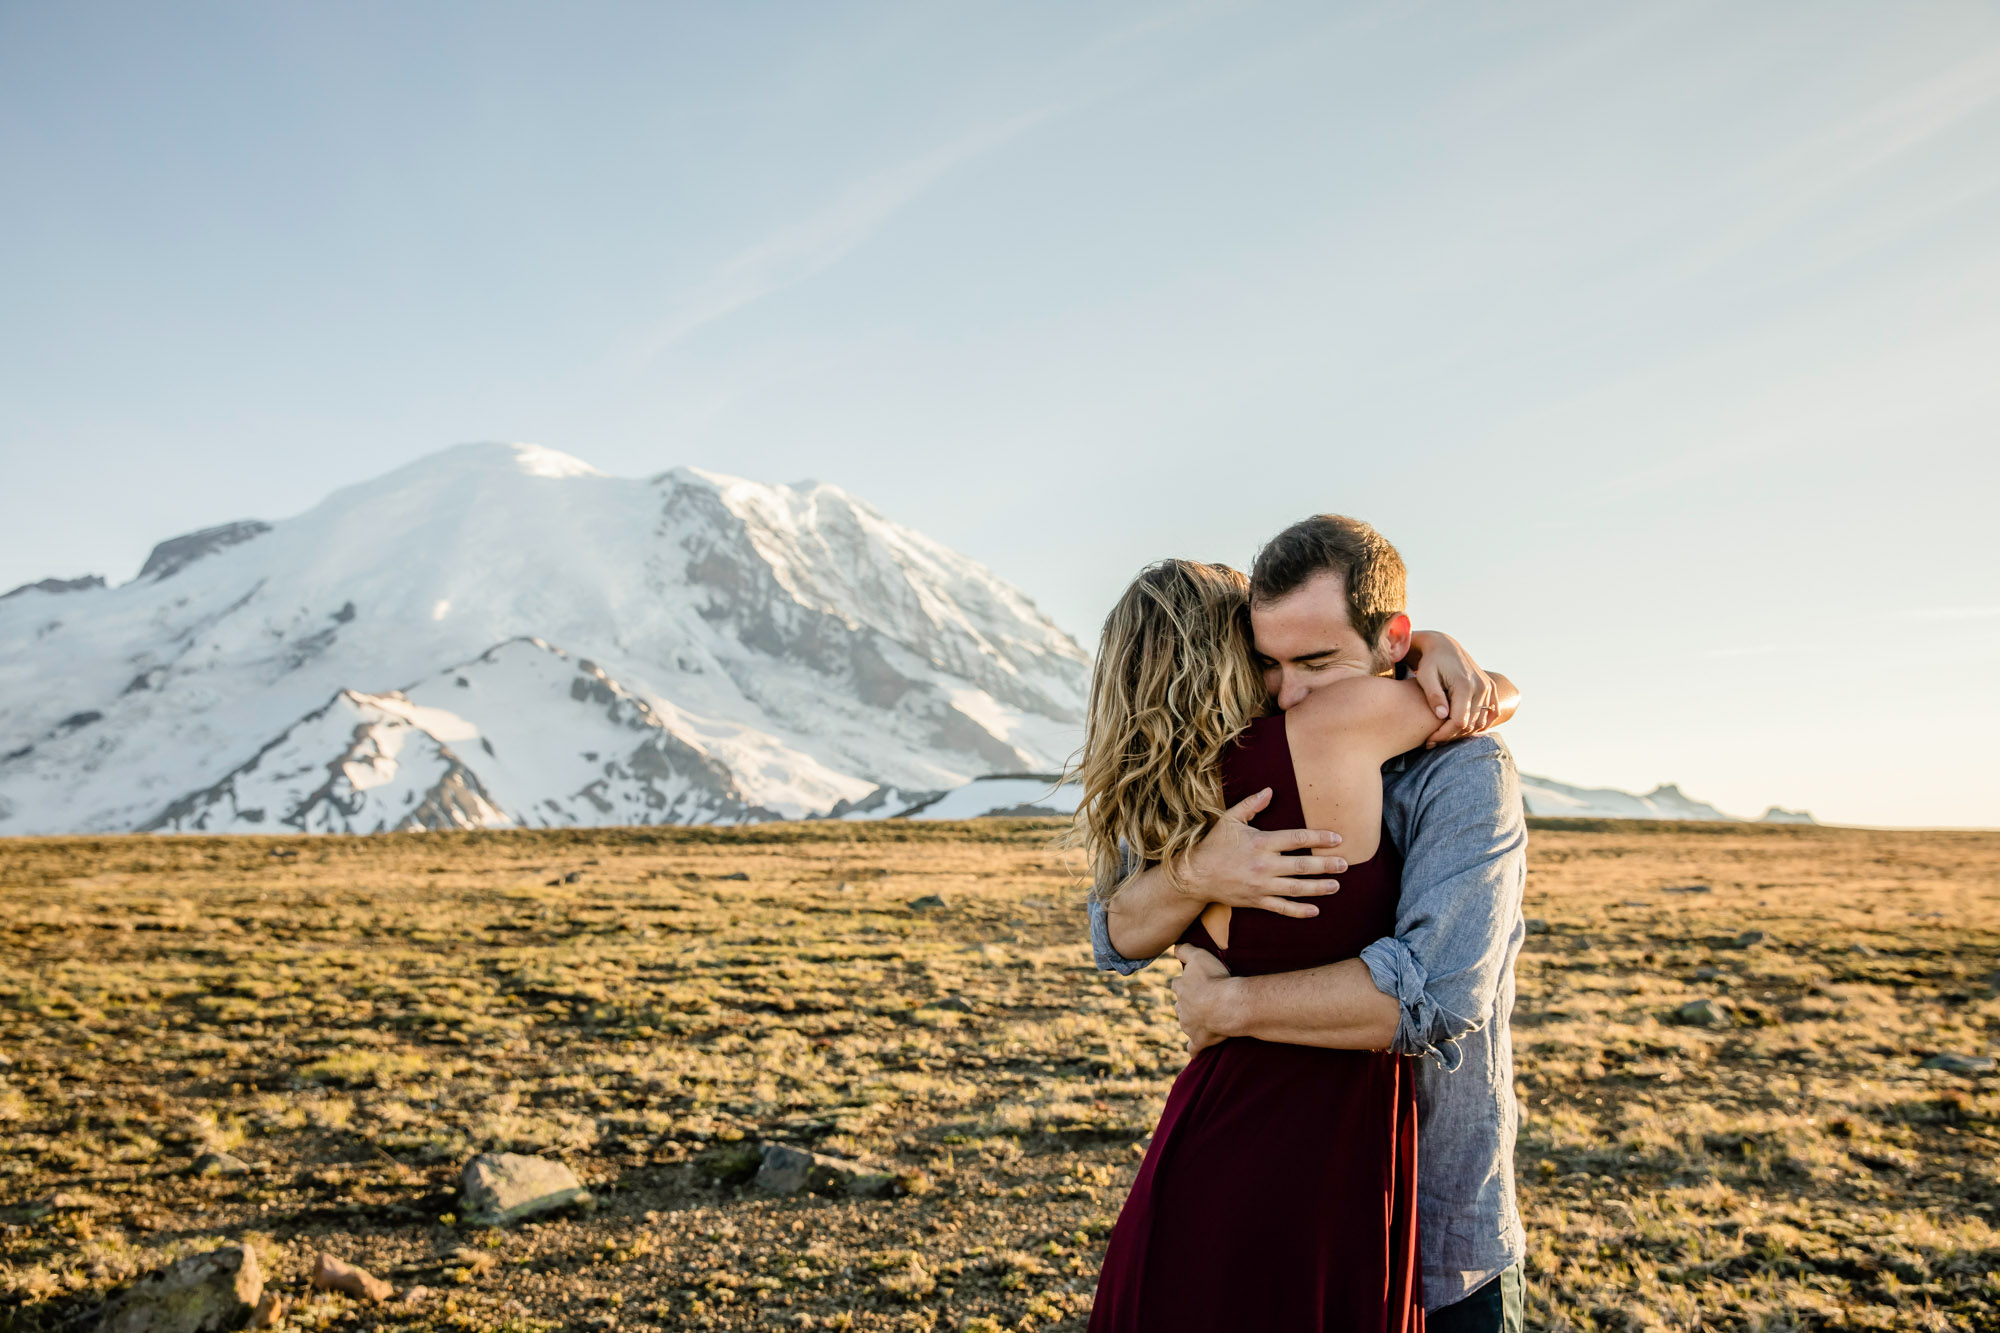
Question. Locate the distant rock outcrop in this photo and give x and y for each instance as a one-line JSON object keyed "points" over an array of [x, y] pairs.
{"points": [[84, 584], [1000, 796], [170, 557], [1547, 798]]}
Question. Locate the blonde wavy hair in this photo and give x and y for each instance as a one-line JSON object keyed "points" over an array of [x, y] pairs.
{"points": [[1173, 686]]}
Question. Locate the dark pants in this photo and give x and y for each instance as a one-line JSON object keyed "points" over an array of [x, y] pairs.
{"points": [[1494, 1308]]}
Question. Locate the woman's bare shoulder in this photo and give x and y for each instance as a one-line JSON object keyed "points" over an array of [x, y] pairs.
{"points": [[1344, 702]]}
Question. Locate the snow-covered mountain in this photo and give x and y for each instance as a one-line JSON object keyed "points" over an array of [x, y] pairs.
{"points": [[1003, 795], [1039, 794], [500, 635], [1548, 798]]}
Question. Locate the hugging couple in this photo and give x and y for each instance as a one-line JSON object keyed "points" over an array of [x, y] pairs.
{"points": [[1295, 792]]}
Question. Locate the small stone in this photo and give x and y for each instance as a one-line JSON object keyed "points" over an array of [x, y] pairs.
{"points": [[479, 1261], [1750, 939], [1707, 973], [68, 1201], [270, 1311], [1861, 949], [1707, 1013], [500, 1188], [204, 1293], [331, 1274], [415, 1295], [930, 902], [1536, 926], [1954, 1063], [787, 1170], [220, 1164], [957, 1003], [845, 887], [1689, 888], [734, 874]]}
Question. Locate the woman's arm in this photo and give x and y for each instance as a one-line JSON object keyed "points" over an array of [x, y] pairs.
{"points": [[1466, 698]]}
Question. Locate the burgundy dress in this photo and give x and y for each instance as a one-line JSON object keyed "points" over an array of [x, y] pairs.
{"points": [[1280, 1192]]}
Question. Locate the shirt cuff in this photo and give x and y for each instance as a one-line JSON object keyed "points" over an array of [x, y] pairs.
{"points": [[1108, 958], [1398, 974]]}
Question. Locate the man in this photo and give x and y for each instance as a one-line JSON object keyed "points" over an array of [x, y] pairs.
{"points": [[1327, 601]]}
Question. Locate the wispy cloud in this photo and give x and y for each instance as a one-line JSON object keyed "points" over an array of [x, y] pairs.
{"points": [[813, 244], [1753, 650], [1954, 613], [1826, 165]]}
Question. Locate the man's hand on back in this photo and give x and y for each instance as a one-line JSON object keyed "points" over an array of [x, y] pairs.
{"points": [[1240, 866], [1201, 998]]}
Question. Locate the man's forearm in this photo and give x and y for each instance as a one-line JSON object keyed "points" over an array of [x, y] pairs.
{"points": [[1335, 1006], [1147, 916]]}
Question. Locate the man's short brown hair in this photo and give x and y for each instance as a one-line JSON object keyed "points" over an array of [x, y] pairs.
{"points": [[1370, 570]]}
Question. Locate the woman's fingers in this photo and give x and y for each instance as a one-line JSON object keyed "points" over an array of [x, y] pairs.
{"points": [[1248, 806], [1295, 839], [1286, 907], [1293, 866]]}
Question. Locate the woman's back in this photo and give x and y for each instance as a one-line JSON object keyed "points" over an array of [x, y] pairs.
{"points": [[1258, 942]]}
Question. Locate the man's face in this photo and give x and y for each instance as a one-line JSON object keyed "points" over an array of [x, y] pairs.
{"points": [[1304, 641]]}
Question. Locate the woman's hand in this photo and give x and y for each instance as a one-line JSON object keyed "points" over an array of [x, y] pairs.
{"points": [[1464, 697], [1240, 866]]}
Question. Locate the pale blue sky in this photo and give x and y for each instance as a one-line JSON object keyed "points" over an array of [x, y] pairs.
{"points": [[1662, 338]]}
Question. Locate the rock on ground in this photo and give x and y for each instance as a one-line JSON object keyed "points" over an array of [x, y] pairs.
{"points": [[1708, 1013], [220, 1164], [331, 1274], [203, 1293], [270, 1311], [787, 1170], [505, 1187], [1955, 1063]]}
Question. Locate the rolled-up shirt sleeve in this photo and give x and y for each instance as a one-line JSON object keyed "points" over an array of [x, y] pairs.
{"points": [[1465, 860], [1107, 956]]}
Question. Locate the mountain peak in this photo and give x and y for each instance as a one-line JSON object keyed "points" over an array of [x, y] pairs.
{"points": [[505, 456]]}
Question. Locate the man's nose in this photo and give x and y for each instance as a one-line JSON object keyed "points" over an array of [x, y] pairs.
{"points": [[1290, 691]]}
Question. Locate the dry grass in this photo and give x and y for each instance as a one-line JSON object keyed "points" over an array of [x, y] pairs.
{"points": [[356, 1016]]}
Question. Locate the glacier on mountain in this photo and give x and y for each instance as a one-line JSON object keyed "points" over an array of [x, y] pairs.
{"points": [[501, 635]]}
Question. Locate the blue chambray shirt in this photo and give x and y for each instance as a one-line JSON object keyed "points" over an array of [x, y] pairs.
{"points": [[1455, 814]]}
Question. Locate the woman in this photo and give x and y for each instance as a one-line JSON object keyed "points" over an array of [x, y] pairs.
{"points": [[1279, 1194]]}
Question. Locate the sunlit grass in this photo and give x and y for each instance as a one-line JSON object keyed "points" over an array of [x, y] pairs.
{"points": [[355, 1017]]}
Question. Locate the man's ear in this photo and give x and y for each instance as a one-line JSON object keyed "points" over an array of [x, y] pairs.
{"points": [[1396, 638]]}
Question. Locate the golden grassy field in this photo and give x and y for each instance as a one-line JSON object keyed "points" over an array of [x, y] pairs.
{"points": [[356, 1017]]}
